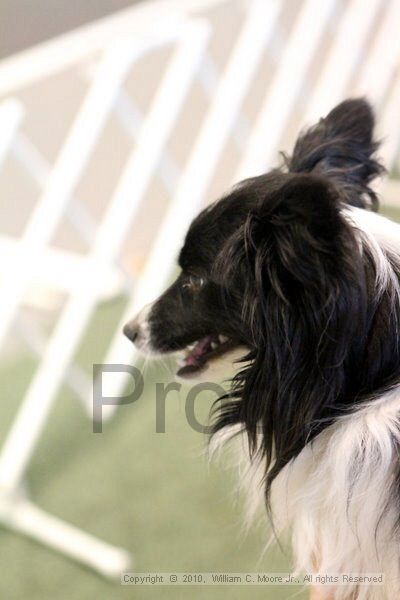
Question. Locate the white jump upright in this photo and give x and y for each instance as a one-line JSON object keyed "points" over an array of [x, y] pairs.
{"points": [[290, 77], [104, 57], [11, 114], [189, 38], [15, 510]]}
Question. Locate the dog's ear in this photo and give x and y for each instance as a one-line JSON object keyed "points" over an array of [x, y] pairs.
{"points": [[341, 146]]}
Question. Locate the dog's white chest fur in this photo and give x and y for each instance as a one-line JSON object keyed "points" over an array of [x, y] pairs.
{"points": [[337, 499]]}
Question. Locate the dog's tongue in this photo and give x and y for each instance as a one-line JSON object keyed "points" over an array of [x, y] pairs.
{"points": [[201, 348], [195, 360]]}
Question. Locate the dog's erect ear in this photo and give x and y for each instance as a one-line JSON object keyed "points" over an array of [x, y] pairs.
{"points": [[341, 146]]}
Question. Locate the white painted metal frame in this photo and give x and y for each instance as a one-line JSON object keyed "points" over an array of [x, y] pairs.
{"points": [[190, 39], [290, 76], [153, 25], [158, 123], [11, 114], [344, 56]]}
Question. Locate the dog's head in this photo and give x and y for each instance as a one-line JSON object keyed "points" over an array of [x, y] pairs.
{"points": [[276, 268]]}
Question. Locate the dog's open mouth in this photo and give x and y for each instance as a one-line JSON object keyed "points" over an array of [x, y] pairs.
{"points": [[198, 355]]}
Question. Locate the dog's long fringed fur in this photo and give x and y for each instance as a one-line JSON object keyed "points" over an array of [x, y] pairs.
{"points": [[292, 267]]}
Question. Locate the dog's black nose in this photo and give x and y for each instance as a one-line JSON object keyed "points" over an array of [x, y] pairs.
{"points": [[131, 330]]}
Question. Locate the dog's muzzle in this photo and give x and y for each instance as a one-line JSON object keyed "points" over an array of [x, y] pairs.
{"points": [[132, 330], [137, 330]]}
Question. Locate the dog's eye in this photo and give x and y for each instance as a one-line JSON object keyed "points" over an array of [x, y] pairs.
{"points": [[193, 283]]}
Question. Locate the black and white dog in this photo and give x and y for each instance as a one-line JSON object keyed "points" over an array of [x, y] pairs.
{"points": [[293, 273]]}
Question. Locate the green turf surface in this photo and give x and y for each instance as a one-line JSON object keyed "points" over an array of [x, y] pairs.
{"points": [[153, 494]]}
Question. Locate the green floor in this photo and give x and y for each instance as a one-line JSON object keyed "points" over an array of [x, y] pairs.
{"points": [[153, 494]]}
